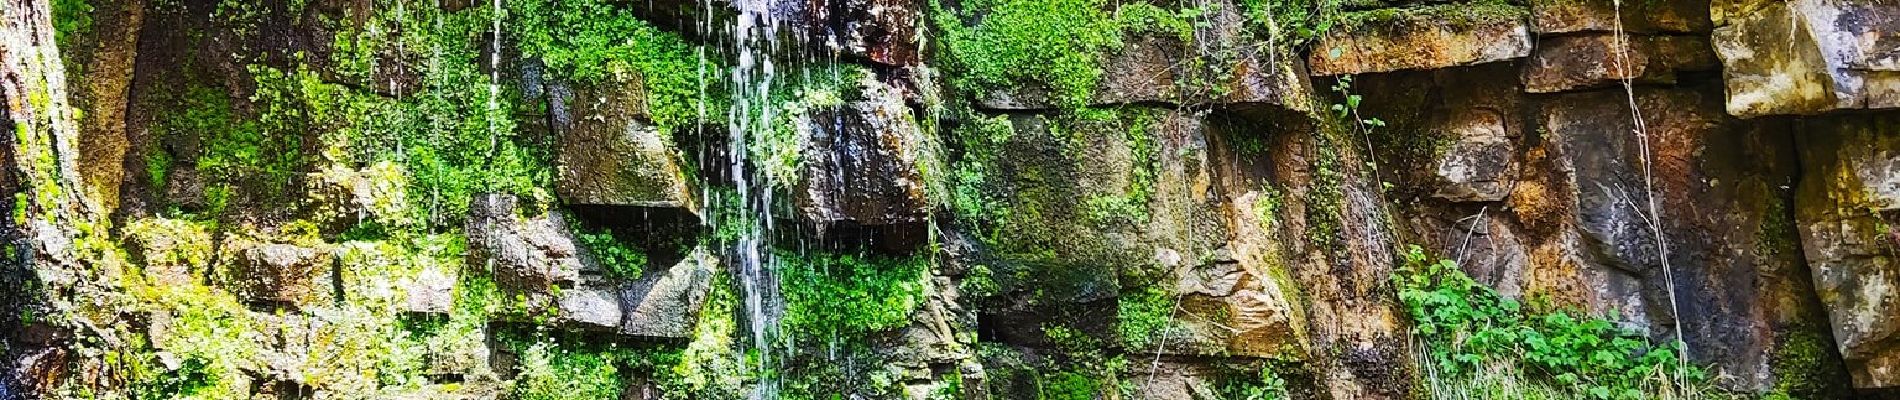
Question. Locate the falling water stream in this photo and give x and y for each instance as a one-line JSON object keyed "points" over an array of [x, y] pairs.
{"points": [[754, 40]]}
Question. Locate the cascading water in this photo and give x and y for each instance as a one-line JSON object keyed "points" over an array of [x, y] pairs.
{"points": [[754, 40]]}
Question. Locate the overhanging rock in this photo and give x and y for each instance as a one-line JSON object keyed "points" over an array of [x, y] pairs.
{"points": [[1422, 37]]}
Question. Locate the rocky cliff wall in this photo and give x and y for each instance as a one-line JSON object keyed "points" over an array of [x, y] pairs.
{"points": [[934, 199]]}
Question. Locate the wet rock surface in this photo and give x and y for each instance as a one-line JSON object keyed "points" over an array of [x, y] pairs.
{"points": [[1221, 215]]}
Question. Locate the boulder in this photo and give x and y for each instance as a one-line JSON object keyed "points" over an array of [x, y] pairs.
{"points": [[430, 291], [663, 304], [1421, 37], [1804, 57]]}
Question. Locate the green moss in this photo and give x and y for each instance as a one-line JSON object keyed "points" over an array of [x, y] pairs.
{"points": [[71, 20], [1325, 196], [1805, 367], [158, 166], [1138, 129], [236, 149], [1468, 13], [983, 142]]}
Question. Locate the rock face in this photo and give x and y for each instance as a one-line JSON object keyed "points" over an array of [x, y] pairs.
{"points": [[532, 253], [1229, 67], [1221, 216], [1566, 63], [1809, 57], [537, 259], [106, 54], [611, 154], [865, 163], [1845, 202], [1425, 37]]}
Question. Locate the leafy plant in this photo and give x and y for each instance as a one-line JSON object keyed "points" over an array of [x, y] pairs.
{"points": [[1030, 42], [831, 295], [621, 260], [1468, 329]]}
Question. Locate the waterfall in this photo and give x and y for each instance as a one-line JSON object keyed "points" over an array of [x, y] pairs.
{"points": [[754, 40]]}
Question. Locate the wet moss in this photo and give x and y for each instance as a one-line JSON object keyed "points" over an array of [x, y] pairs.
{"points": [[1468, 13], [1806, 366]]}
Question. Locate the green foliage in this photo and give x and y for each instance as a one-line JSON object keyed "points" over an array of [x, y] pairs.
{"points": [[236, 150], [552, 372], [71, 18], [1260, 383], [983, 141], [1290, 23], [158, 166], [1070, 385], [708, 368], [1149, 18], [1145, 318], [1009, 43], [779, 147], [1349, 109], [1467, 328], [1806, 367], [621, 259], [453, 131], [591, 40], [846, 295]]}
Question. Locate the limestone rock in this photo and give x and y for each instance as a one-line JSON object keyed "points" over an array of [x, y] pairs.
{"points": [[1848, 199], [667, 304], [1564, 63], [865, 163], [1811, 56], [430, 291], [1562, 16], [1479, 165], [610, 153], [529, 253], [664, 304], [1222, 65], [1421, 37], [283, 274]]}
